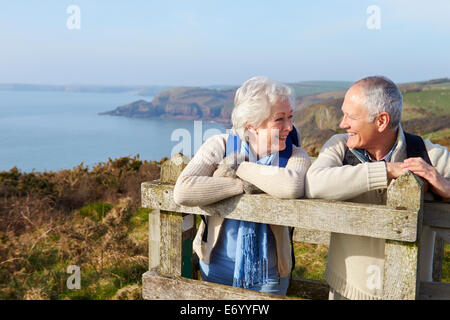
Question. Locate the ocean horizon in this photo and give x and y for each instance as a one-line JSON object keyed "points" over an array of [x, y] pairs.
{"points": [[51, 130]]}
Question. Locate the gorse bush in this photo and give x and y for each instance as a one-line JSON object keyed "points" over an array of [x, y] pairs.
{"points": [[71, 189], [85, 217], [96, 211]]}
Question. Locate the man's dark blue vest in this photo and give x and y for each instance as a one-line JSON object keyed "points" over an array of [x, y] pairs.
{"points": [[415, 147]]}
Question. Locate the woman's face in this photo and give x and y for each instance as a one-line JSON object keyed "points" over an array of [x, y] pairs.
{"points": [[271, 135]]}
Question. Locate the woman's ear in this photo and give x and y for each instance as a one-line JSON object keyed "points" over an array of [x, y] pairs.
{"points": [[250, 128]]}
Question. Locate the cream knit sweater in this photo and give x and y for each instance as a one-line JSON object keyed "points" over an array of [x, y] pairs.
{"points": [[197, 187], [354, 261]]}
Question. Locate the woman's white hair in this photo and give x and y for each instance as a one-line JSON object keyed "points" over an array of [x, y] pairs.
{"points": [[254, 100], [382, 95]]}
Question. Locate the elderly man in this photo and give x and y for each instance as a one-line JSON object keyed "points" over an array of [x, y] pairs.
{"points": [[358, 166]]}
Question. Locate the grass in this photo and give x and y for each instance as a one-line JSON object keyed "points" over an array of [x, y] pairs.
{"points": [[436, 101], [446, 264], [111, 253], [310, 261], [437, 134]]}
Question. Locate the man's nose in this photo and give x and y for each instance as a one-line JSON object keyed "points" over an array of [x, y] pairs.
{"points": [[343, 124]]}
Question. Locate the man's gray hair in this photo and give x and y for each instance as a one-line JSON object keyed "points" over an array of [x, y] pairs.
{"points": [[254, 100], [382, 95]]}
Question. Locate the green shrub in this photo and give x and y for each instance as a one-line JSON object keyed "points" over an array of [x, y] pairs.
{"points": [[96, 211]]}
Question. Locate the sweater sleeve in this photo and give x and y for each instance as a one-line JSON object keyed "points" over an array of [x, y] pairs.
{"points": [[440, 158], [285, 183], [329, 179], [196, 186]]}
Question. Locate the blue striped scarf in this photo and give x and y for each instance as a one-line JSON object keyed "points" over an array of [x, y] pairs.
{"points": [[251, 265]]}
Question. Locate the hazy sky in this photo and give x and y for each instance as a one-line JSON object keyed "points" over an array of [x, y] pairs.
{"points": [[190, 42]]}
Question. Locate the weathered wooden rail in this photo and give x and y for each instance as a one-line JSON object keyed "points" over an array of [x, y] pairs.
{"points": [[172, 268]]}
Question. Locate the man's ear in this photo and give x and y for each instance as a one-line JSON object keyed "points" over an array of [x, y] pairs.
{"points": [[382, 121]]}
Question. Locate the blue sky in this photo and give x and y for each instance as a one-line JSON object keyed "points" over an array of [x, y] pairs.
{"points": [[221, 42]]}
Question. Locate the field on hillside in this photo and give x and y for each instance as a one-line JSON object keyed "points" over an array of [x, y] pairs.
{"points": [[302, 89], [425, 103]]}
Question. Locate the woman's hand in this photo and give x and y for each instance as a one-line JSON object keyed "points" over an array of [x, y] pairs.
{"points": [[250, 188], [227, 168], [438, 183]]}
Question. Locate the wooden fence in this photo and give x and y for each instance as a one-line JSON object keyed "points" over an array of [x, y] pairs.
{"points": [[173, 266]]}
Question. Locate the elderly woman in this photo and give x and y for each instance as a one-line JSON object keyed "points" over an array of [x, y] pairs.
{"points": [[262, 152]]}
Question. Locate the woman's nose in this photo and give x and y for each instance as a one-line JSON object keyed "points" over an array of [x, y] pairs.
{"points": [[288, 124]]}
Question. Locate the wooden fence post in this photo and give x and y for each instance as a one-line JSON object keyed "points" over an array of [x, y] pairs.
{"points": [[401, 265], [171, 243], [173, 232]]}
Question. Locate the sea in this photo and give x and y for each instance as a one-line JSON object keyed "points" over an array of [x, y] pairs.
{"points": [[53, 130]]}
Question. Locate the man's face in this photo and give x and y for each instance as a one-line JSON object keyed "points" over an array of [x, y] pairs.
{"points": [[361, 134]]}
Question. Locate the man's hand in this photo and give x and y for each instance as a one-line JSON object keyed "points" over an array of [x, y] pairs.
{"points": [[395, 170], [438, 183]]}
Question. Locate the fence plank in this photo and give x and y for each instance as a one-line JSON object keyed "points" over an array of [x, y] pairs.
{"points": [[434, 291], [311, 236], [325, 215], [437, 215], [443, 233], [401, 265], [156, 286], [308, 289]]}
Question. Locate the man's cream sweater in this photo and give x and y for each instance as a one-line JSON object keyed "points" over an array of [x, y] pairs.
{"points": [[354, 262], [196, 186]]}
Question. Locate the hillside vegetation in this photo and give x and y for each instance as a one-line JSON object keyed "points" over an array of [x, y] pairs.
{"points": [[88, 218]]}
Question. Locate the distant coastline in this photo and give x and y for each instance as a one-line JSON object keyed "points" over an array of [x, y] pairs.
{"points": [[211, 103], [138, 90]]}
